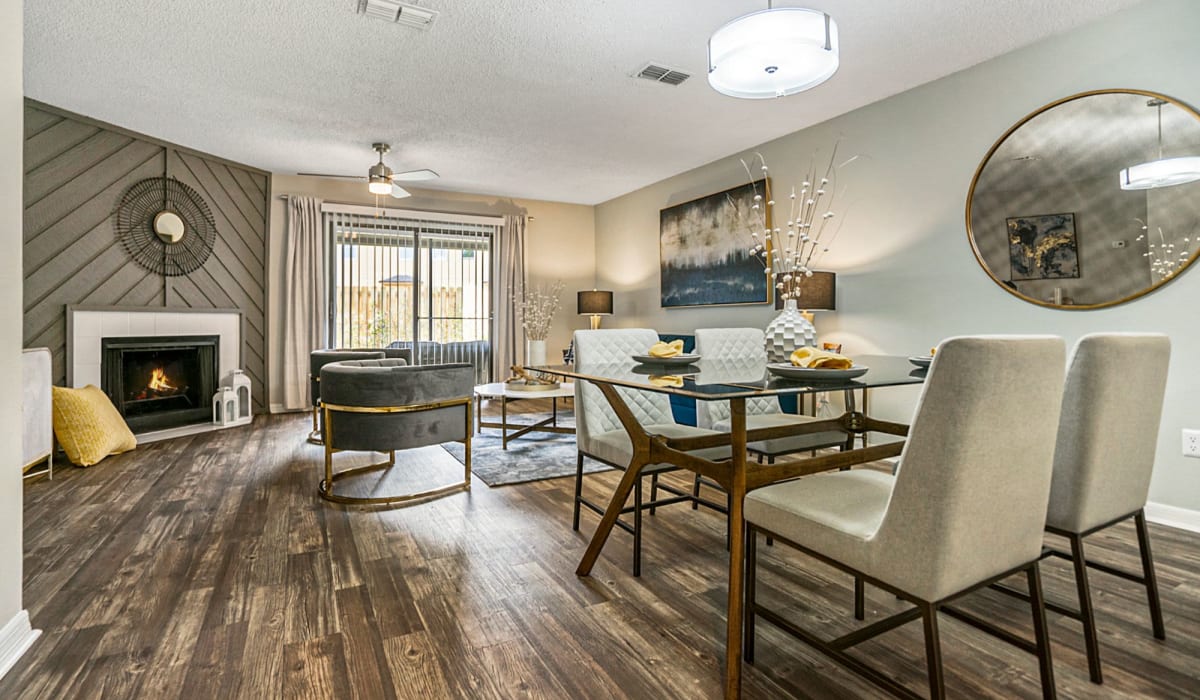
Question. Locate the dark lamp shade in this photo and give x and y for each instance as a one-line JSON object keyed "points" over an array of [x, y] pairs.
{"points": [[817, 293], [595, 303]]}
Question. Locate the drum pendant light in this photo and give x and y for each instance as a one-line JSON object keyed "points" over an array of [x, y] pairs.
{"points": [[773, 53], [1163, 172]]}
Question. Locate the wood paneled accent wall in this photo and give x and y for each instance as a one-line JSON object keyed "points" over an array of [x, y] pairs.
{"points": [[76, 170]]}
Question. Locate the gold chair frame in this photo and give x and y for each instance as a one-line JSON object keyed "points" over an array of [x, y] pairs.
{"points": [[325, 488], [314, 438]]}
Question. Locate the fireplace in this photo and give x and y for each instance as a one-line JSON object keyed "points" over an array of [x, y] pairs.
{"points": [[160, 382]]}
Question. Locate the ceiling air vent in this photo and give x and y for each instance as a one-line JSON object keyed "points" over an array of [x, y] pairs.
{"points": [[662, 74], [398, 12]]}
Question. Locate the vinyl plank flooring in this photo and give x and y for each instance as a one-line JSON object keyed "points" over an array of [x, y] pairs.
{"points": [[208, 567]]}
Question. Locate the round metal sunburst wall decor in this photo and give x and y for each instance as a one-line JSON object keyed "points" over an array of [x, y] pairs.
{"points": [[165, 226]]}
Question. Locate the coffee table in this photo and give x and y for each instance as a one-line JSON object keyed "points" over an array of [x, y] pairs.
{"points": [[498, 390]]}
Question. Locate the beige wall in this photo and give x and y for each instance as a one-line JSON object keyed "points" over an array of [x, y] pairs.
{"points": [[11, 140], [906, 275], [559, 245]]}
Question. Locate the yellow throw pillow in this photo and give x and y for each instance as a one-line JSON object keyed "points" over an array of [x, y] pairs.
{"points": [[88, 426]]}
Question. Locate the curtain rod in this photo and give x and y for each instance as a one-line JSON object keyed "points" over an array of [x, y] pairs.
{"points": [[446, 216]]}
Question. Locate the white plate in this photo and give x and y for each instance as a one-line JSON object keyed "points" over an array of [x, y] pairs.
{"points": [[921, 361], [787, 370], [676, 361]]}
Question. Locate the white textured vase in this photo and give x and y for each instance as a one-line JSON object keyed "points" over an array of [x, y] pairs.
{"points": [[787, 332], [535, 352]]}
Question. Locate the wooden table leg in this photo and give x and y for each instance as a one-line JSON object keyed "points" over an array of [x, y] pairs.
{"points": [[641, 453], [604, 529], [848, 395], [737, 549]]}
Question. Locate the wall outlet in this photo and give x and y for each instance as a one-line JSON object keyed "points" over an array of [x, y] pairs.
{"points": [[1191, 443]]}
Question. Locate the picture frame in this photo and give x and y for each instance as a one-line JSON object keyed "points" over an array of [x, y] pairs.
{"points": [[1043, 246], [704, 252]]}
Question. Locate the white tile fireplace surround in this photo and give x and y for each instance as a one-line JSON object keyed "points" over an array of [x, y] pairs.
{"points": [[86, 326]]}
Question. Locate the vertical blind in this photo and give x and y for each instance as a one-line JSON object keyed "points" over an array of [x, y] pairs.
{"points": [[412, 281]]}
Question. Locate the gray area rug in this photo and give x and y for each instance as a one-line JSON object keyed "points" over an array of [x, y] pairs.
{"points": [[531, 457]]}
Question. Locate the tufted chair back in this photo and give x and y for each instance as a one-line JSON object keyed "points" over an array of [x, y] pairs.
{"points": [[732, 349], [607, 347]]}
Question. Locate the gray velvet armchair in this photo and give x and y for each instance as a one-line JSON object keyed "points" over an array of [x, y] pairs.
{"points": [[319, 358], [385, 405]]}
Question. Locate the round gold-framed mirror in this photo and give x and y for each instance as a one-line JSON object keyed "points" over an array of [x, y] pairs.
{"points": [[169, 227], [1090, 201]]}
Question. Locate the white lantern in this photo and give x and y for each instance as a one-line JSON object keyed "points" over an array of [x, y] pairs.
{"points": [[225, 407], [239, 383]]}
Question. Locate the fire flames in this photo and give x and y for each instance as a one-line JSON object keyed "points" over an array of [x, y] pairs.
{"points": [[159, 386], [158, 381]]}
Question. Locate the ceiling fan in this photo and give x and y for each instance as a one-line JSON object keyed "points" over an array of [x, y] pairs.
{"points": [[381, 179]]}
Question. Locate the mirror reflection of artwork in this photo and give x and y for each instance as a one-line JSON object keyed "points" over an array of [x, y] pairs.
{"points": [[703, 259], [1043, 247], [1125, 164]]}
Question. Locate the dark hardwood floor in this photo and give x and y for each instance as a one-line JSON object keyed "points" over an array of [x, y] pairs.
{"points": [[207, 567]]}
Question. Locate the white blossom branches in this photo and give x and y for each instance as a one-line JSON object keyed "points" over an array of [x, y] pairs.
{"points": [[538, 306], [792, 249]]}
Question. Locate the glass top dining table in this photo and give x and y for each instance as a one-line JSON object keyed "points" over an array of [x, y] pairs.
{"points": [[712, 380], [734, 381]]}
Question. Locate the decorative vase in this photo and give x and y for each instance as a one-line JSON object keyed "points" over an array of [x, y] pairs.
{"points": [[787, 332], [535, 352]]}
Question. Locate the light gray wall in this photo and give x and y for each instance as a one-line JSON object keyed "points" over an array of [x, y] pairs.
{"points": [[906, 275], [10, 306]]}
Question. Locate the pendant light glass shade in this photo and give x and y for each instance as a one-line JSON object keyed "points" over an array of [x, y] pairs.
{"points": [[773, 53], [1161, 173]]}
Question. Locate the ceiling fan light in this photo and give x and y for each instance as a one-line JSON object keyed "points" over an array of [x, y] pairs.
{"points": [[1163, 172], [380, 185], [773, 53]]}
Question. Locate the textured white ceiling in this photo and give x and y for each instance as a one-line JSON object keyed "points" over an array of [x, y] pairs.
{"points": [[519, 98]]}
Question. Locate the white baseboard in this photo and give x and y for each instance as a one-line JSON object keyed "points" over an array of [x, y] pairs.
{"points": [[1173, 516], [15, 639], [278, 408]]}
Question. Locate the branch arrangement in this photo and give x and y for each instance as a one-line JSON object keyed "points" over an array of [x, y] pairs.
{"points": [[792, 251], [1164, 261], [537, 309]]}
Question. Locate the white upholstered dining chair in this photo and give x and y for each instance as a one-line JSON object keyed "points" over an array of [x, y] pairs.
{"points": [[1107, 437], [966, 508], [726, 351], [737, 346], [601, 437]]}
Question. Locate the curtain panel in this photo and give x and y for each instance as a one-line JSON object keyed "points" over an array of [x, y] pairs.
{"points": [[510, 288], [305, 308]]}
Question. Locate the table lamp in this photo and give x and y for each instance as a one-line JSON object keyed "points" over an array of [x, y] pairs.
{"points": [[595, 304], [816, 293]]}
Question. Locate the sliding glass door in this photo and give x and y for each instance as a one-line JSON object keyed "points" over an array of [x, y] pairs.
{"points": [[421, 284]]}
